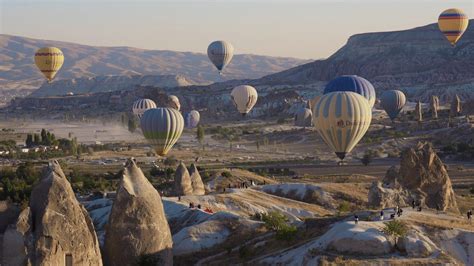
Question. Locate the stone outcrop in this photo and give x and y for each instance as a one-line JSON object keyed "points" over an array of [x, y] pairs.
{"points": [[455, 108], [8, 214], [196, 181], [182, 181], [421, 177], [434, 106], [416, 244], [55, 229], [137, 226], [418, 112]]}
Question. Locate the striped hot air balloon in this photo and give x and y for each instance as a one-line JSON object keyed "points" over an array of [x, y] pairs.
{"points": [[139, 107], [244, 98], [452, 23], [162, 127], [392, 102], [191, 119], [49, 60], [342, 119], [220, 53], [355, 84]]}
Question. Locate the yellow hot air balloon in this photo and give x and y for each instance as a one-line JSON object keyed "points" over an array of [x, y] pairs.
{"points": [[342, 118], [452, 23], [49, 60]]}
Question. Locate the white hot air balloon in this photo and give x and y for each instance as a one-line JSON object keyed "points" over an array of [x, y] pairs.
{"points": [[174, 102], [139, 107], [191, 119], [244, 98], [220, 53]]}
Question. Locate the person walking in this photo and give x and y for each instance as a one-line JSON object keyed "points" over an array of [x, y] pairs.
{"points": [[413, 204], [469, 216], [381, 215], [356, 219]]}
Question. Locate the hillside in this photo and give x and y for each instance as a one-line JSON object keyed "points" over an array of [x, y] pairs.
{"points": [[109, 83], [17, 70], [419, 61]]}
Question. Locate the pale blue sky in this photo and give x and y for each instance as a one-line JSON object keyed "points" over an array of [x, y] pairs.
{"points": [[296, 28]]}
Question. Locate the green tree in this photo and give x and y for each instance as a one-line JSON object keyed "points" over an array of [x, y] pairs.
{"points": [[36, 139], [395, 228], [200, 134], [29, 140], [44, 136]]}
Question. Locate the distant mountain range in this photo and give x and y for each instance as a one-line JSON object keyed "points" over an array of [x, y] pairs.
{"points": [[17, 69], [420, 61]]}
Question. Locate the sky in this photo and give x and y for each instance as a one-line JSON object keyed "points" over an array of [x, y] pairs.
{"points": [[287, 28]]}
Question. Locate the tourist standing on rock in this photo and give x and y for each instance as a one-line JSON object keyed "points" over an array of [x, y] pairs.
{"points": [[469, 215], [396, 209], [381, 215], [413, 204], [356, 219]]}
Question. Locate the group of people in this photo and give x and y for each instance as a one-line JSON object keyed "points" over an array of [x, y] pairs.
{"points": [[193, 206], [397, 211]]}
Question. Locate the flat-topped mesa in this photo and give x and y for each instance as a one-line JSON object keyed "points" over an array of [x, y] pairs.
{"points": [[196, 181], [421, 177], [182, 181], [137, 228], [55, 229]]}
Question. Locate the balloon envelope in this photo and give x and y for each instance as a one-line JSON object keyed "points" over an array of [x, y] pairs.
{"points": [[342, 119], [139, 107], [355, 84], [453, 23], [303, 117], [192, 119], [220, 53], [244, 98], [162, 127], [392, 102], [174, 102], [49, 60]]}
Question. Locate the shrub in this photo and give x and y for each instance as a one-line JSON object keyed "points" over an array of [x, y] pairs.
{"points": [[287, 233], [395, 228], [277, 222], [226, 174], [344, 207], [170, 161]]}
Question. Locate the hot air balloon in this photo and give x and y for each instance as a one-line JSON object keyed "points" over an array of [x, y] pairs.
{"points": [[303, 117], [392, 102], [355, 84], [313, 102], [342, 119], [244, 98], [452, 23], [140, 106], [162, 127], [174, 102], [49, 60], [191, 119], [220, 53]]}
